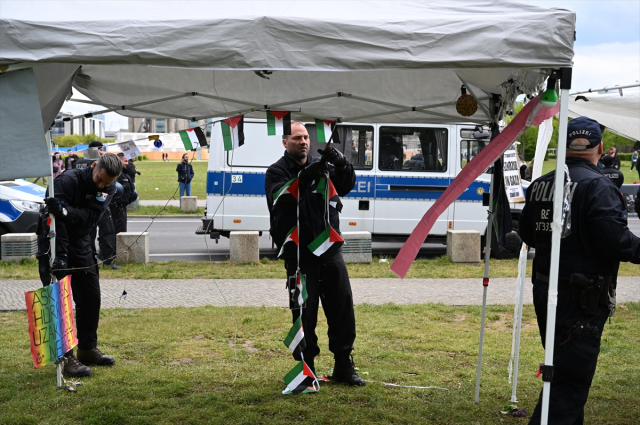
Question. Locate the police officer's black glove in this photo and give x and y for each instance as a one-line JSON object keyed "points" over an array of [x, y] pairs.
{"points": [[312, 172], [333, 156], [54, 206], [59, 267]]}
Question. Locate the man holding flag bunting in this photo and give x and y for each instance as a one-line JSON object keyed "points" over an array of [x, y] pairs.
{"points": [[303, 198]]}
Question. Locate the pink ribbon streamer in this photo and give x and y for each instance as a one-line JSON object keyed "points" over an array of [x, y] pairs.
{"points": [[532, 114]]}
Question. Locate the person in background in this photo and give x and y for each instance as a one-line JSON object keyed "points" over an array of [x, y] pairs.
{"points": [[634, 160], [616, 160], [118, 206], [614, 175], [529, 171], [132, 170], [58, 165], [70, 161], [185, 175]]}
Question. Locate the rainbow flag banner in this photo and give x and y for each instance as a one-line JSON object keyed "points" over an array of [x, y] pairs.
{"points": [[52, 329]]}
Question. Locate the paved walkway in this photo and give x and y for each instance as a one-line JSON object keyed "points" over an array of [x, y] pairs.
{"points": [[271, 292]]}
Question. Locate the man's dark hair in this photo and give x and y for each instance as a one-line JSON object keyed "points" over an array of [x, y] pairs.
{"points": [[111, 164]]}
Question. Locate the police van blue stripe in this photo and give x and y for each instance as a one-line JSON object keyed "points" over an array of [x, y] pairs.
{"points": [[8, 212], [367, 186]]}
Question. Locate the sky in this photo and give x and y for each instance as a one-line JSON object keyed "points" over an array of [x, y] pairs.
{"points": [[607, 48]]}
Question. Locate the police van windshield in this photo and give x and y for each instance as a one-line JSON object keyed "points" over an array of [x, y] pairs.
{"points": [[413, 149]]}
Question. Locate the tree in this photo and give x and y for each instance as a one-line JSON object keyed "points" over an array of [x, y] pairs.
{"points": [[74, 139]]}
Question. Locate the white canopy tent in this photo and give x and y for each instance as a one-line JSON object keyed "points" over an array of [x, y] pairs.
{"points": [[618, 109], [351, 61]]}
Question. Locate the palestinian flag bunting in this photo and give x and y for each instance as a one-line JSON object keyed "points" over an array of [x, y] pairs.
{"points": [[299, 379], [192, 137], [286, 194], [233, 132], [331, 192], [327, 243], [292, 236], [323, 130], [295, 339], [278, 123]]}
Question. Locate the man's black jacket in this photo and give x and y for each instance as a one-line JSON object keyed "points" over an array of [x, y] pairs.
{"points": [[85, 204], [185, 172], [599, 237], [125, 199], [312, 205], [614, 175]]}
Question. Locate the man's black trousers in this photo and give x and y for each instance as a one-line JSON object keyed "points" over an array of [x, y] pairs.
{"points": [[85, 287], [575, 355], [106, 238], [327, 282], [119, 218]]}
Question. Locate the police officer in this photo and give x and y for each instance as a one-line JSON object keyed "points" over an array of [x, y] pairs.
{"points": [[81, 197], [105, 231], [118, 206], [589, 259], [327, 279], [616, 176]]}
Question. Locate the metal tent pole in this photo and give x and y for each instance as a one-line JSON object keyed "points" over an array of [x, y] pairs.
{"points": [[552, 300], [485, 284], [52, 251], [523, 273]]}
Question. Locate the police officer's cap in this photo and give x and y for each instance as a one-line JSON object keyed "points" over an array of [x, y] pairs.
{"points": [[95, 144], [583, 128], [607, 161]]}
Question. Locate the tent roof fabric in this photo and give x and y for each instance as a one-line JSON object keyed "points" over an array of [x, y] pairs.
{"points": [[620, 114], [407, 54]]}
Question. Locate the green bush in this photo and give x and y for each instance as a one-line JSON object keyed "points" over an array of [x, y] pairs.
{"points": [[551, 156], [73, 140], [625, 156]]}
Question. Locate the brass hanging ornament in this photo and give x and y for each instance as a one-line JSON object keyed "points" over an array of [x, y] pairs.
{"points": [[466, 105]]}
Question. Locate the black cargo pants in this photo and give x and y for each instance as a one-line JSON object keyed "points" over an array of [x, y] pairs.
{"points": [[575, 355], [327, 282]]}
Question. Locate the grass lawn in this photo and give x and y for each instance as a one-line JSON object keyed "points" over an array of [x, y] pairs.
{"points": [[162, 175], [435, 268], [177, 366], [630, 177], [169, 210]]}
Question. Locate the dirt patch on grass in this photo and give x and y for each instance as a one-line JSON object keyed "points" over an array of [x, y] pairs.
{"points": [[182, 361]]}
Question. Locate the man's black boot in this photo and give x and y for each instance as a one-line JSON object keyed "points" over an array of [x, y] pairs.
{"points": [[95, 357], [344, 371], [73, 368]]}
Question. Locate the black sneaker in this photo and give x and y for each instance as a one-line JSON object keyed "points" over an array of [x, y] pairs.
{"points": [[344, 371], [75, 369]]}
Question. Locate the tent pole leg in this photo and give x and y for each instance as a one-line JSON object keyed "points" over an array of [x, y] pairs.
{"points": [[552, 300], [519, 330], [485, 284]]}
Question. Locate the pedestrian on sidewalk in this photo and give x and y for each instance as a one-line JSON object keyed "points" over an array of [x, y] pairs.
{"points": [[185, 175]]}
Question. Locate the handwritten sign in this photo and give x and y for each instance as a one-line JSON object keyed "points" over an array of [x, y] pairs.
{"points": [[51, 325], [512, 182], [129, 149]]}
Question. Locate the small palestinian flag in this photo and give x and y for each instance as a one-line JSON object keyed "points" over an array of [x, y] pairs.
{"points": [[192, 137], [334, 199], [300, 379], [295, 339], [233, 132], [301, 290], [327, 243], [287, 195], [292, 236], [323, 130], [278, 123]]}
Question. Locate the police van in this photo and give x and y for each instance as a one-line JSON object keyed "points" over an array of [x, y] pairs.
{"points": [[401, 170], [20, 203]]}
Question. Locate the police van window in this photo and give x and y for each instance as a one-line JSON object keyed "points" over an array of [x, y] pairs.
{"points": [[469, 149], [413, 149], [361, 156]]}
